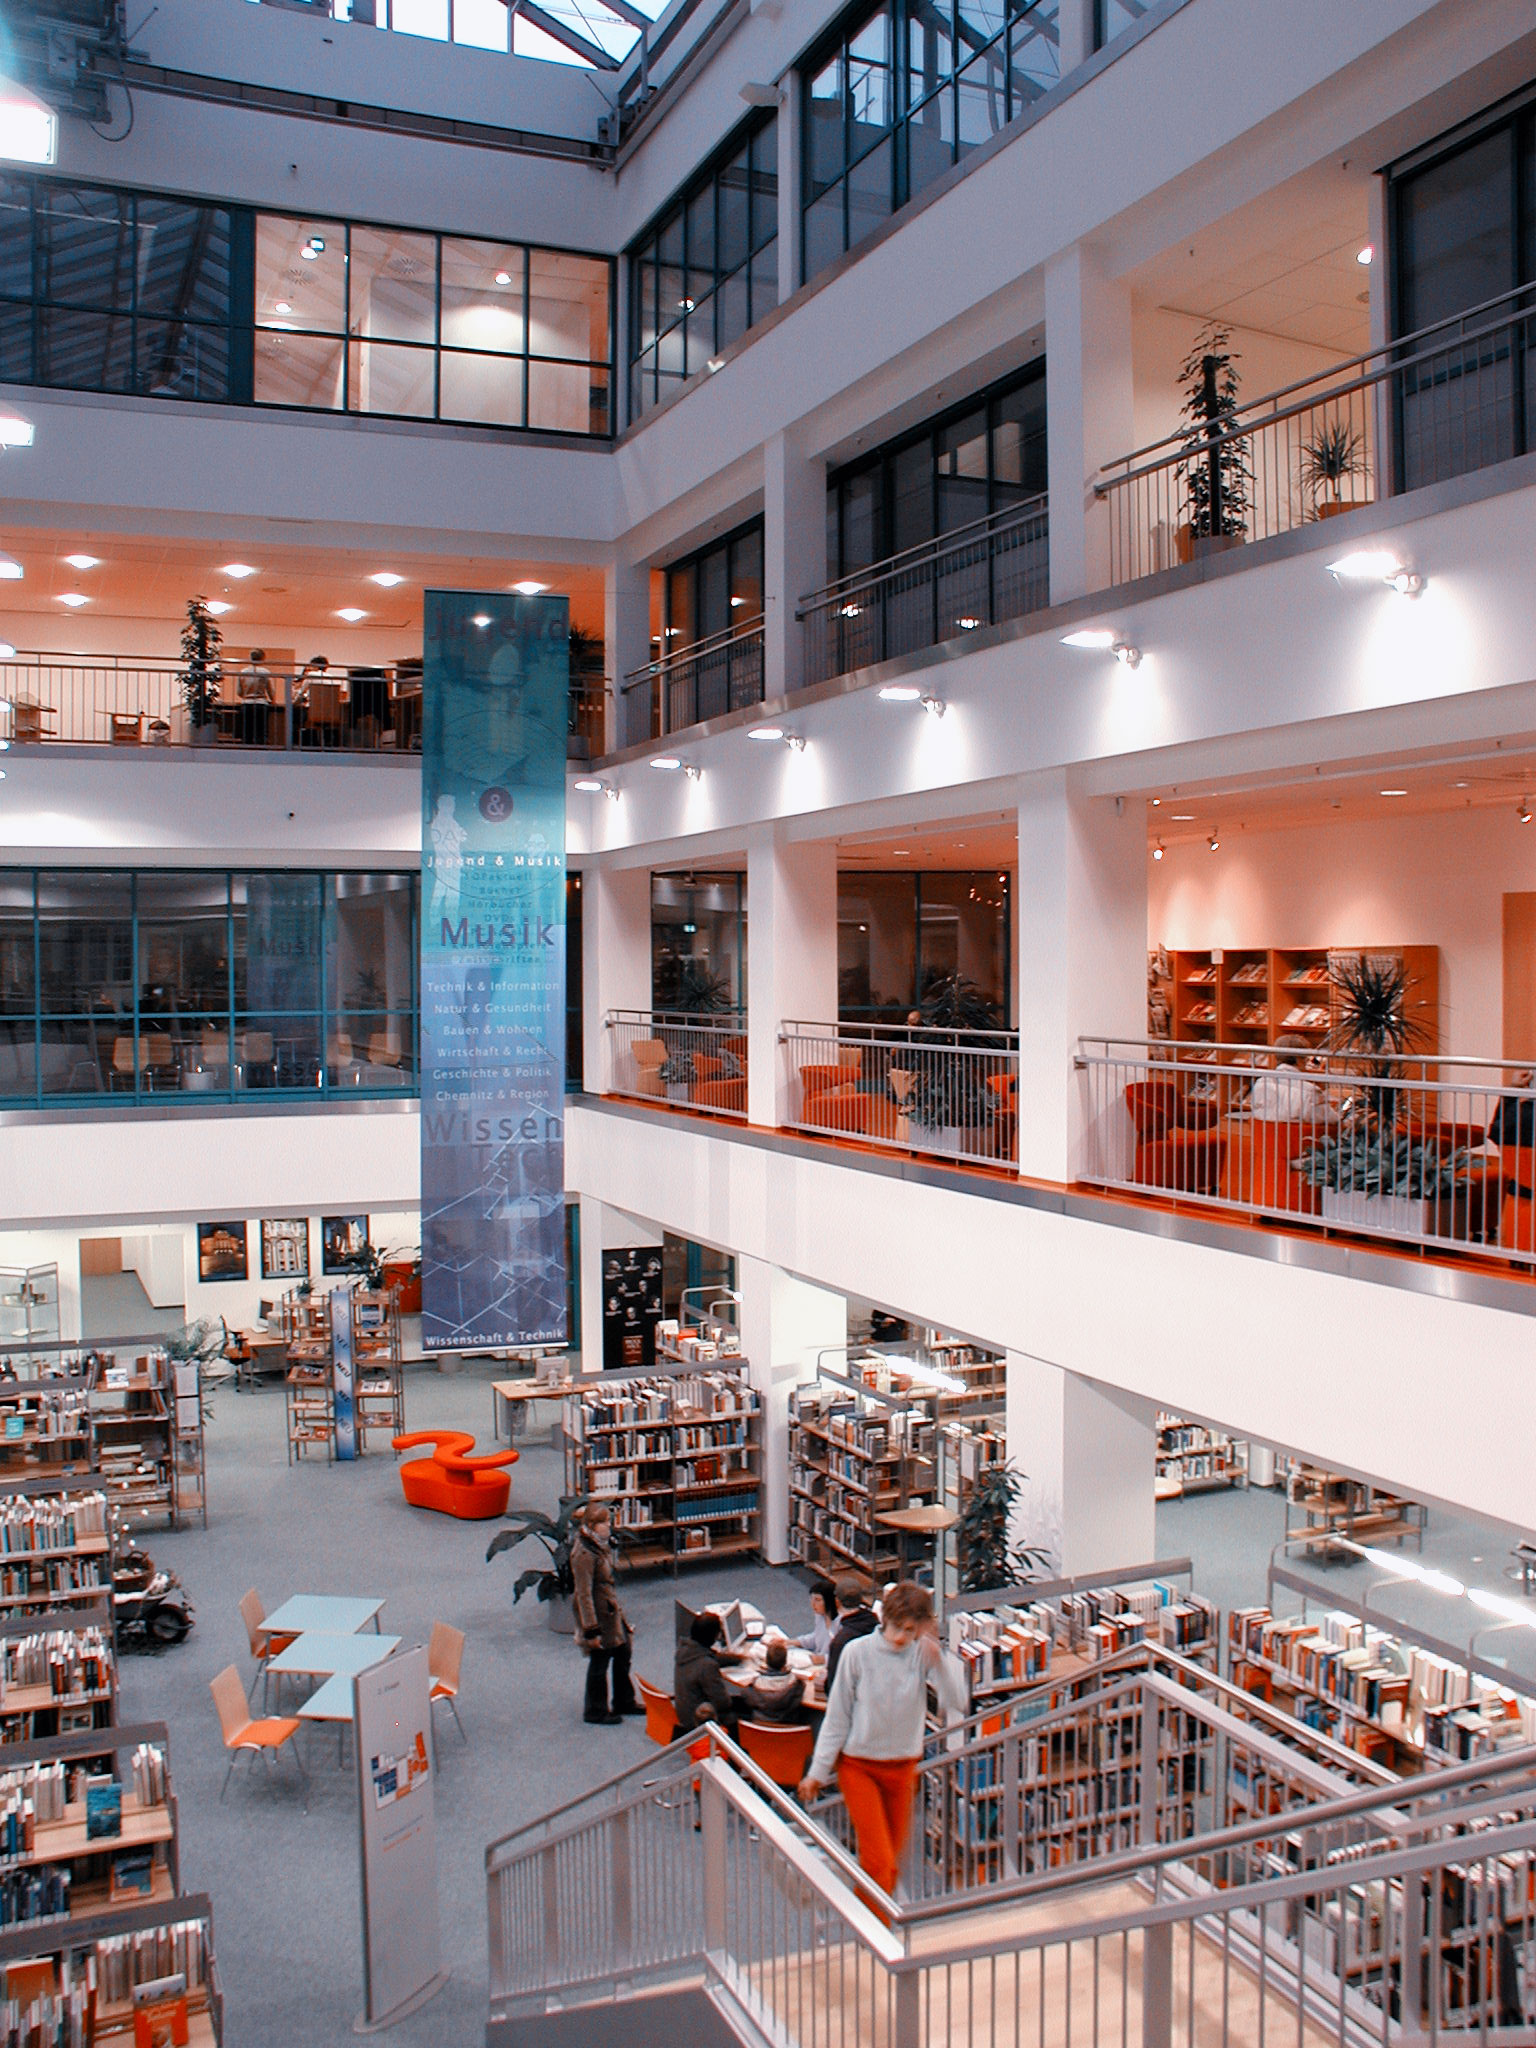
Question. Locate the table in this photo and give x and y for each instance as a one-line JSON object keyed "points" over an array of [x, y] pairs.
{"points": [[332, 1701], [516, 1394], [317, 1654], [753, 1657], [909, 1523], [331, 1613]]}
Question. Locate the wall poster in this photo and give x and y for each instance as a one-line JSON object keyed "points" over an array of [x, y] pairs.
{"points": [[497, 680], [221, 1253], [285, 1247], [631, 1307]]}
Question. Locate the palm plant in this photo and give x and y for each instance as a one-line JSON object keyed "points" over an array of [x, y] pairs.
{"points": [[951, 1003], [1371, 1018], [201, 646], [698, 991], [1335, 452]]}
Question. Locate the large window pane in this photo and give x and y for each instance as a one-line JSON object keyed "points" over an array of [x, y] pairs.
{"points": [[697, 937], [178, 360], [488, 389], [871, 85], [85, 932], [735, 212], [370, 965], [964, 932], [930, 141], [393, 285], [301, 274], [961, 467], [85, 254], [487, 24], [277, 938], [15, 238], [911, 497], [567, 307], [421, 18], [298, 369], [1035, 47], [183, 260], [385, 378], [18, 979], [1456, 232], [1018, 444], [876, 946], [765, 182], [930, 49], [824, 107], [560, 398], [700, 230], [89, 351], [746, 578], [870, 192], [983, 99], [483, 297]]}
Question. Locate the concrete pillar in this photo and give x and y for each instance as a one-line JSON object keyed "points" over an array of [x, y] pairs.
{"points": [[791, 957], [603, 1229], [1088, 1453], [1082, 952], [789, 187], [784, 1323], [1074, 23], [794, 555], [615, 959], [1089, 411], [627, 647]]}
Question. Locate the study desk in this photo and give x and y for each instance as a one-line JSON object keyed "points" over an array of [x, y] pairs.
{"points": [[318, 1654], [516, 1397], [331, 1613], [331, 1701]]}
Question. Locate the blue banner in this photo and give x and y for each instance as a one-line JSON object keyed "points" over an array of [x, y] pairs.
{"points": [[496, 687]]}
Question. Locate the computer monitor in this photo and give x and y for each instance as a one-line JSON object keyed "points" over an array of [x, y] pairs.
{"points": [[733, 1627], [683, 1618]]}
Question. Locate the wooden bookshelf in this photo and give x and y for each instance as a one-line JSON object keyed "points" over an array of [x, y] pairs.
{"points": [[135, 1451], [1326, 1510], [1194, 1459], [45, 1425], [52, 1866], [1249, 995], [854, 1453], [115, 1951], [309, 1382]]}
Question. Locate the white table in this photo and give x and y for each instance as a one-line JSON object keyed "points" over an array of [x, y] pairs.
{"points": [[332, 1612], [318, 1654]]}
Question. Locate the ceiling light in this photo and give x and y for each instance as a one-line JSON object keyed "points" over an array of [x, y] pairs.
{"points": [[1363, 256], [901, 849], [1461, 785], [503, 277], [310, 253], [1214, 842], [1157, 803], [1406, 583], [83, 561], [1183, 817], [16, 432], [968, 625], [386, 579], [238, 570], [1524, 812], [693, 771], [7, 653], [530, 588], [10, 572], [715, 363], [74, 599], [216, 605], [686, 305], [737, 602], [282, 306], [900, 693], [667, 763], [29, 130], [482, 620], [851, 611], [351, 614], [589, 785], [316, 245], [765, 732], [1157, 851], [937, 706], [1394, 792]]}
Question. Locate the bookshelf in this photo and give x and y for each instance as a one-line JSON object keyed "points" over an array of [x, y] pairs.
{"points": [[55, 1549], [378, 1373], [1194, 1459], [1247, 995], [135, 1454], [854, 1452], [1326, 1512], [1060, 1636], [88, 1969], [966, 1452], [677, 1456], [88, 1826], [58, 1674], [46, 1423]]}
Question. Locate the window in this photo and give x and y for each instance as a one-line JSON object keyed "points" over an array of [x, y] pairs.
{"points": [[707, 596], [194, 982], [902, 95], [898, 934], [708, 269], [698, 940], [1112, 18]]}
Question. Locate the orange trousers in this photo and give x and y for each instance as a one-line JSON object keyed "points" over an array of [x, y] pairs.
{"points": [[879, 1796]]}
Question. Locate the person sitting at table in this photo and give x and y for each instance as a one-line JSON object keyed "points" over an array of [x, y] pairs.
{"points": [[854, 1619], [823, 1619], [1284, 1095], [698, 1683], [776, 1695], [1514, 1122], [253, 686]]}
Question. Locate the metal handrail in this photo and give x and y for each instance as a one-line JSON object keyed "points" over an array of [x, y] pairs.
{"points": [[1252, 413], [714, 643], [703, 1020], [1249, 1052], [893, 1037], [920, 552]]}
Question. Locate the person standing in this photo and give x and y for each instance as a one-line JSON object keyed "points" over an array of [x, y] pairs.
{"points": [[872, 1735], [853, 1620], [601, 1628]]}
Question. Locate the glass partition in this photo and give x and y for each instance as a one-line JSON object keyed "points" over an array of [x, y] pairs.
{"points": [[899, 934]]}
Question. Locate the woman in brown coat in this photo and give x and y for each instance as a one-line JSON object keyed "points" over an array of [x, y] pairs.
{"points": [[601, 1629]]}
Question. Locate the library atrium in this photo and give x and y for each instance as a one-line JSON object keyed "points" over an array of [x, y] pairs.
{"points": [[832, 1351]]}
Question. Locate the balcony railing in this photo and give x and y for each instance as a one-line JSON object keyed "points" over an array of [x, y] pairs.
{"points": [[978, 575], [1437, 1153], [703, 680], [696, 1060], [907, 1088], [1450, 398]]}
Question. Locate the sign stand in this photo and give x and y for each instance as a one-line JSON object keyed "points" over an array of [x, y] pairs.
{"points": [[402, 1943]]}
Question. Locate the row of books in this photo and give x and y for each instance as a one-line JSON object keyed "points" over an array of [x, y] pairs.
{"points": [[65, 1412], [56, 1575], [671, 1399], [631, 1513], [178, 1949], [843, 1534], [70, 1662], [710, 1471], [148, 1775], [719, 1507], [61, 2021], [708, 1436], [37, 1893], [36, 1792], [51, 1522], [1017, 1655]]}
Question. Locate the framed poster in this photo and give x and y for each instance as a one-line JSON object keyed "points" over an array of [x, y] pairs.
{"points": [[285, 1247], [343, 1244], [221, 1253], [631, 1307]]}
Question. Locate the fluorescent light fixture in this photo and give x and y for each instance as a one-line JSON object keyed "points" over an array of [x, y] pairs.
{"points": [[219, 606], [667, 763], [238, 570], [351, 614], [386, 579], [1100, 637], [1364, 256], [74, 599], [1496, 1603], [900, 693], [529, 588], [10, 572], [1394, 792], [83, 561], [29, 130], [16, 432]]}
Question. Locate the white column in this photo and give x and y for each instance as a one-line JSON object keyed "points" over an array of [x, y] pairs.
{"points": [[1082, 952], [794, 554], [791, 957], [615, 959], [789, 186], [1074, 23], [603, 1229], [784, 1323], [1089, 411], [1088, 1453], [626, 647]]}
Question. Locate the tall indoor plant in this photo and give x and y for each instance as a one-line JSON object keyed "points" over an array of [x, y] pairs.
{"points": [[1217, 467], [202, 667], [989, 1559], [554, 1582]]}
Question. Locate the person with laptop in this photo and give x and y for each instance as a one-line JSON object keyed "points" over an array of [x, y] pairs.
{"points": [[823, 1620], [699, 1690]]}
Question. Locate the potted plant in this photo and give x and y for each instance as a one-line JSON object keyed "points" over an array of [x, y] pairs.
{"points": [[679, 1073], [988, 1559], [1334, 453], [554, 1582], [950, 1097], [1217, 467], [1372, 1018], [203, 669], [1379, 1178]]}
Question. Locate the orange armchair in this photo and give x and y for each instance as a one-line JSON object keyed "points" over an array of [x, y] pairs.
{"points": [[451, 1481], [1177, 1144]]}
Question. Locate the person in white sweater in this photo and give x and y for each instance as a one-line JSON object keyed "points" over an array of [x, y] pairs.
{"points": [[872, 1734]]}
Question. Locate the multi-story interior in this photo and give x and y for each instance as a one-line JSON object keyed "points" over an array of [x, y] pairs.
{"points": [[1045, 492]]}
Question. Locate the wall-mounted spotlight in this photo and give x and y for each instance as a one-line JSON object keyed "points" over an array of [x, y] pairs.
{"points": [[666, 764], [1524, 812], [1126, 655], [1104, 640], [1214, 842], [1158, 850], [591, 785], [1377, 565]]}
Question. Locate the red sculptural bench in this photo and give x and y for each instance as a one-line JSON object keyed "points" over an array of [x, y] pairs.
{"points": [[451, 1481]]}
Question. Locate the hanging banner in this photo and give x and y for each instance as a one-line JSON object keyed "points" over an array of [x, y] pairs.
{"points": [[495, 693], [342, 1402], [402, 1946]]}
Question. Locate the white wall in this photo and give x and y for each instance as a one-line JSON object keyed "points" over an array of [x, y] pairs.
{"points": [[1437, 879], [1160, 340]]}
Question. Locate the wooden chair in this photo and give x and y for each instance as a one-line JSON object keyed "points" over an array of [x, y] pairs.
{"points": [[660, 1718], [255, 1052], [243, 1735], [123, 1070], [782, 1753], [324, 712], [127, 728], [383, 1050], [263, 1643], [445, 1657], [214, 1052], [157, 1058]]}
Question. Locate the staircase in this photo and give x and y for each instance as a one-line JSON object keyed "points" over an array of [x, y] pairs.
{"points": [[1163, 1863]]}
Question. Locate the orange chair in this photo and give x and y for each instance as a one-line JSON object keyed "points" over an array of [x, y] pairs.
{"points": [[445, 1660], [263, 1643], [1177, 1145], [1517, 1220], [781, 1752], [1258, 1169], [451, 1481], [660, 1719], [244, 1736]]}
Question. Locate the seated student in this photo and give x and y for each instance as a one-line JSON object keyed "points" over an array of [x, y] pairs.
{"points": [[697, 1681], [823, 1621], [1283, 1094], [775, 1694], [1515, 1121], [854, 1619]]}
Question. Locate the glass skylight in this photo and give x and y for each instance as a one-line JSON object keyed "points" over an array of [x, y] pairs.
{"points": [[594, 33]]}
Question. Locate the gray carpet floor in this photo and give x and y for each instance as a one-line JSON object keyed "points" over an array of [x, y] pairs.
{"points": [[115, 1304]]}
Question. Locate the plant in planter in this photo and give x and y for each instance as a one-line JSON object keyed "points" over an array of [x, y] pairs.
{"points": [[1376, 1175], [1371, 1018], [955, 1004], [203, 670], [949, 1094], [1217, 469], [1334, 454], [988, 1560], [553, 1582], [678, 1070]]}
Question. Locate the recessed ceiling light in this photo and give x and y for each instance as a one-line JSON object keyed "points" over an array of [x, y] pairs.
{"points": [[351, 614], [1461, 785], [901, 849], [529, 588], [238, 570], [1365, 255], [282, 306], [1183, 817], [10, 572], [83, 561], [503, 277], [1101, 637], [219, 607], [968, 624], [1156, 803], [1394, 792], [74, 599], [386, 579], [309, 255]]}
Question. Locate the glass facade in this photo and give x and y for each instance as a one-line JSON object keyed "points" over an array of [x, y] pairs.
{"points": [[708, 269], [901, 94], [130, 987], [102, 290], [698, 938], [715, 590], [1112, 18], [899, 934]]}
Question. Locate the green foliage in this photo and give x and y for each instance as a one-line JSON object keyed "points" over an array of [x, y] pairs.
{"points": [[555, 1580], [698, 992], [950, 1092], [1364, 1159], [954, 1004], [1370, 1006], [202, 1340], [201, 647], [1335, 452], [1216, 471], [987, 1559]]}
